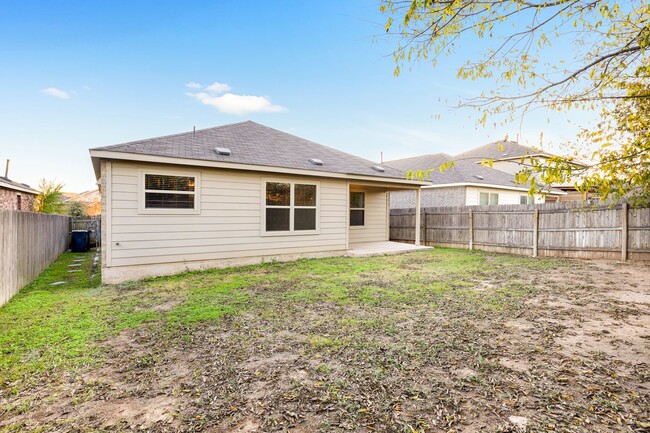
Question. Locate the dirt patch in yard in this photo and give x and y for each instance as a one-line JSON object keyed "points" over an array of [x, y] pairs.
{"points": [[563, 347]]}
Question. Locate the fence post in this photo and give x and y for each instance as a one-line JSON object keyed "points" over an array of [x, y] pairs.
{"points": [[418, 222], [535, 231], [624, 232], [471, 229], [425, 227]]}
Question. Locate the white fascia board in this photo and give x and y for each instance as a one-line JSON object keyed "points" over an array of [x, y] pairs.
{"points": [[18, 188], [137, 157], [487, 185]]}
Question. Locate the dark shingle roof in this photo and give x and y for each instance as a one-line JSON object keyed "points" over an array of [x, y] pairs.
{"points": [[463, 171], [7, 183], [254, 144], [500, 150]]}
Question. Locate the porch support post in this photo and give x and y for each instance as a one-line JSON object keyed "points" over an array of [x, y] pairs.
{"points": [[417, 216], [624, 231]]}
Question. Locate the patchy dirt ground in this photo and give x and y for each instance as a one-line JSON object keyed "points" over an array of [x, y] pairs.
{"points": [[508, 348]]}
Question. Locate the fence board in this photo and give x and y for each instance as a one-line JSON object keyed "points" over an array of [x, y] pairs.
{"points": [[565, 229], [29, 243]]}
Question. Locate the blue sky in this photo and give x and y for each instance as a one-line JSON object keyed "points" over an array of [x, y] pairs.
{"points": [[83, 74]]}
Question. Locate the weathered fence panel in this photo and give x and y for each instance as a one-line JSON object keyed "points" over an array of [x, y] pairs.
{"points": [[558, 229], [29, 243]]}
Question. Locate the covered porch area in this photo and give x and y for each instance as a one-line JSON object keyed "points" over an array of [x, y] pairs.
{"points": [[368, 219]]}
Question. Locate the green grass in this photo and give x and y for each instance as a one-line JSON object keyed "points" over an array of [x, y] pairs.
{"points": [[49, 328]]}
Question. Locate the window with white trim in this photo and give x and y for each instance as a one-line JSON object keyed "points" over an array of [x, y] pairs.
{"points": [[526, 199], [488, 198], [357, 208], [290, 207], [164, 191]]}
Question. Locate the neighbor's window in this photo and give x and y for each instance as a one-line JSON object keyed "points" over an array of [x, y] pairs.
{"points": [[357, 208], [290, 207], [526, 199], [163, 191], [486, 198]]}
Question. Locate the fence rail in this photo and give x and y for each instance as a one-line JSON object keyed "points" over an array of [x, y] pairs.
{"points": [[558, 229], [29, 243]]}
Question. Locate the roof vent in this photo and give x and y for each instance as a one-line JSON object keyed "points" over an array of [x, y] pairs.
{"points": [[222, 151], [316, 161], [506, 154], [478, 176], [378, 168]]}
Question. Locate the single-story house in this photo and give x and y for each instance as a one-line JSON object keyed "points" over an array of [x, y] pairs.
{"points": [[466, 183], [232, 195], [511, 157], [16, 196]]}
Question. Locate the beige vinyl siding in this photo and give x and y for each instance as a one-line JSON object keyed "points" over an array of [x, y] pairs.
{"points": [[506, 196], [375, 228], [228, 225]]}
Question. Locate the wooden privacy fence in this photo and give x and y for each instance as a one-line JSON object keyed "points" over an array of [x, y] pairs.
{"points": [[29, 243], [555, 229]]}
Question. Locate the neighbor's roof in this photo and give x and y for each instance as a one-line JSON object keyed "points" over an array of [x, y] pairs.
{"points": [[7, 183], [500, 150], [507, 151], [252, 144], [462, 172], [80, 196]]}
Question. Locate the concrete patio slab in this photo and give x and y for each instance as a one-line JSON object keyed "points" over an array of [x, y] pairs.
{"points": [[381, 248]]}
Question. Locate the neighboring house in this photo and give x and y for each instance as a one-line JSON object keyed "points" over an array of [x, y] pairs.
{"points": [[16, 196], [232, 195], [511, 157], [91, 199], [466, 183]]}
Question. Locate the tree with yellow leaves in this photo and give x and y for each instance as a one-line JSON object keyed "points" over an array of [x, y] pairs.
{"points": [[608, 70]]}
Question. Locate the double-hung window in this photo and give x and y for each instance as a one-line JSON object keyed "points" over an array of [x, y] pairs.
{"points": [[357, 208], [169, 193], [290, 207], [487, 198]]}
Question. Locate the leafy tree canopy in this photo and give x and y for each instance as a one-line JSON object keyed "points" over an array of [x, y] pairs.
{"points": [[76, 209], [49, 200], [608, 69]]}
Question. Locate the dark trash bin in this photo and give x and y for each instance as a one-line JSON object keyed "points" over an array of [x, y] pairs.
{"points": [[80, 241]]}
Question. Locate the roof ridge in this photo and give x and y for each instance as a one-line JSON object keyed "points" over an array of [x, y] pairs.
{"points": [[178, 134], [513, 142], [418, 157]]}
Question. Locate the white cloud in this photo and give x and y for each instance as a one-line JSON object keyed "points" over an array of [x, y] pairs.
{"points": [[215, 95], [57, 93], [217, 88], [230, 103]]}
